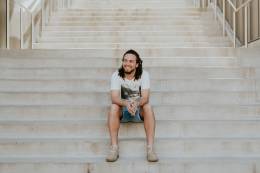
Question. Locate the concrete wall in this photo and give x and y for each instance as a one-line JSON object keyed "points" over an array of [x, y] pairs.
{"points": [[255, 44], [14, 25], [3, 23], [250, 57]]}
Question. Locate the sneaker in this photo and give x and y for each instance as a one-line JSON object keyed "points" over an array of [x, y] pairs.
{"points": [[113, 154], [151, 155]]}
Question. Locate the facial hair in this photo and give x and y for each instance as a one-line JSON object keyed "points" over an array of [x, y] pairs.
{"points": [[130, 72]]}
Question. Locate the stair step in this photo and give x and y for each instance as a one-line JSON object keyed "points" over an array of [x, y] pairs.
{"points": [[130, 33], [34, 62], [133, 39], [165, 147], [88, 129], [173, 28], [130, 23], [167, 165], [105, 73], [126, 19], [157, 98], [125, 12], [83, 113], [133, 5], [118, 53], [95, 85], [174, 112], [84, 45]]}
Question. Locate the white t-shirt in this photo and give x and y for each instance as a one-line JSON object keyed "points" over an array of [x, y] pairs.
{"points": [[130, 88]]}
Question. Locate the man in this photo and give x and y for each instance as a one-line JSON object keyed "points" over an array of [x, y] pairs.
{"points": [[130, 87]]}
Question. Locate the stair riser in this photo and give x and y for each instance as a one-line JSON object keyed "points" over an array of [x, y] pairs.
{"points": [[197, 129], [188, 28], [104, 85], [166, 98], [138, 12], [129, 34], [178, 112], [155, 73], [115, 62], [166, 148], [68, 45], [129, 166], [133, 5], [128, 21], [127, 40], [118, 53]]}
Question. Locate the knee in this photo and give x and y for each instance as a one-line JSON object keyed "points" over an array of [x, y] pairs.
{"points": [[147, 108], [114, 109]]}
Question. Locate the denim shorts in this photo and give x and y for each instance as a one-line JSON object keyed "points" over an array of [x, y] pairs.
{"points": [[127, 117]]}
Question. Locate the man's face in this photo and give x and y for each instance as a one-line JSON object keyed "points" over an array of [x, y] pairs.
{"points": [[129, 63]]}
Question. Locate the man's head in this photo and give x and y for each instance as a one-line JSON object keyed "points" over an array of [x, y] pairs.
{"points": [[131, 63]]}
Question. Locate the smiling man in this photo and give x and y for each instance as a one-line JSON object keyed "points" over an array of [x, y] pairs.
{"points": [[130, 89]]}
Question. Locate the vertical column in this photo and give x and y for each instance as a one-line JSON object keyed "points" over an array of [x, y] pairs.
{"points": [[224, 17], [32, 22], [246, 26], [21, 28], [8, 24], [215, 8], [258, 19], [3, 23], [43, 13], [234, 28]]}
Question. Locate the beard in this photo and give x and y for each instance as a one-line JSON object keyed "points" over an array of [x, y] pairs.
{"points": [[129, 72]]}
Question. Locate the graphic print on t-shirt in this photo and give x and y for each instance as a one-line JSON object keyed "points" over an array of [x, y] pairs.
{"points": [[130, 93]]}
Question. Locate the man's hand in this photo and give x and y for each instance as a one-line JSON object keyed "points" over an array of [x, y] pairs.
{"points": [[131, 107]]}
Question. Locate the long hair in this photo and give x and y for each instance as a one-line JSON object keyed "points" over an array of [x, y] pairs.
{"points": [[139, 69]]}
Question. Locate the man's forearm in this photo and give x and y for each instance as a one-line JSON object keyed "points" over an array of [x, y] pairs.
{"points": [[119, 102], [143, 101]]}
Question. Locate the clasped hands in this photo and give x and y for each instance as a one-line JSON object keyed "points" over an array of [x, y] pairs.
{"points": [[132, 106]]}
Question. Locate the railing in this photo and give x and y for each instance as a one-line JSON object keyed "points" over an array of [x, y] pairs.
{"points": [[47, 7], [201, 3], [235, 11], [22, 9], [245, 6]]}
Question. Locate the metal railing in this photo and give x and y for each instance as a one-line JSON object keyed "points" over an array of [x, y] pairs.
{"points": [[22, 9], [47, 7], [245, 5]]}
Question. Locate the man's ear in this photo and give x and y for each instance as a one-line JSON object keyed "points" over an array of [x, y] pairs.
{"points": [[136, 65]]}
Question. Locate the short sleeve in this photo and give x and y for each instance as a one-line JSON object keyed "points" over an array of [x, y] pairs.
{"points": [[145, 80], [115, 82]]}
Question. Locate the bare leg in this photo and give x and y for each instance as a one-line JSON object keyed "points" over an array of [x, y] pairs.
{"points": [[149, 123], [114, 123]]}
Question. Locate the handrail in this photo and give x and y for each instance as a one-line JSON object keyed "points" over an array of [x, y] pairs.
{"points": [[33, 11], [21, 23], [236, 9], [232, 5], [245, 6]]}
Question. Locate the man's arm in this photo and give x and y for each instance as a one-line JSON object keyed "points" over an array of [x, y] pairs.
{"points": [[145, 97], [115, 97]]}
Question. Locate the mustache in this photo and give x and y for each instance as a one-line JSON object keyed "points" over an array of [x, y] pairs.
{"points": [[128, 72]]}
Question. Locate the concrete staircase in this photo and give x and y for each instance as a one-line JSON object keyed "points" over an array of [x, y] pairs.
{"points": [[53, 103], [132, 24], [53, 111]]}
